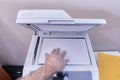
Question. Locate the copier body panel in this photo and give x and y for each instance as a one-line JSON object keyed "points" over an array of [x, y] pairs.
{"points": [[60, 31]]}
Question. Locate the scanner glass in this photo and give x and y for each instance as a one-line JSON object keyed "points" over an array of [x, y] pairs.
{"points": [[76, 49]]}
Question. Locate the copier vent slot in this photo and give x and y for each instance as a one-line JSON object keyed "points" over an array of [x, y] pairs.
{"points": [[35, 51]]}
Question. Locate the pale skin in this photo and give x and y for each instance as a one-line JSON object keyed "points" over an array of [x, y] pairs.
{"points": [[54, 63]]}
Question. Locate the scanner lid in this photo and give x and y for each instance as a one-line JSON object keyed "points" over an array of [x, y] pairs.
{"points": [[55, 20]]}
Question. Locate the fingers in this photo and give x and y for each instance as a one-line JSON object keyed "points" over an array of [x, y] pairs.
{"points": [[65, 61], [63, 54], [55, 51], [46, 55]]}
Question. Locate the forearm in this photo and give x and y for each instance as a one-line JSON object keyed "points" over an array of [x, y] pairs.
{"points": [[43, 73]]}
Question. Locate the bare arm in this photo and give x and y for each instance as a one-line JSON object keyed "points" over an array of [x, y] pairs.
{"points": [[54, 62]]}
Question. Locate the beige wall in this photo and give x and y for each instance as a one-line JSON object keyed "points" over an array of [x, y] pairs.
{"points": [[15, 40]]}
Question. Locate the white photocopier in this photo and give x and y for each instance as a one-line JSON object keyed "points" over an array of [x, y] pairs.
{"points": [[56, 29]]}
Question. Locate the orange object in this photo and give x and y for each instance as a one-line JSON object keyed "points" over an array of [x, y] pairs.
{"points": [[4, 75], [109, 67]]}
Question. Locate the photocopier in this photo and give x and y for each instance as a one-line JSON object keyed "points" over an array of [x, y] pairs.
{"points": [[56, 29]]}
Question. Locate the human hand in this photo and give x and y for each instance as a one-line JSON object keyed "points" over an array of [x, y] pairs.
{"points": [[55, 61]]}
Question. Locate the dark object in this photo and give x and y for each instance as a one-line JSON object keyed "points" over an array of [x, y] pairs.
{"points": [[13, 71], [60, 76]]}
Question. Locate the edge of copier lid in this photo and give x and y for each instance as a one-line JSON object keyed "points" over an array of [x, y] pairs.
{"points": [[28, 17]]}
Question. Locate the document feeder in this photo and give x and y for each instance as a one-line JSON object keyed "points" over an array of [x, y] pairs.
{"points": [[56, 29]]}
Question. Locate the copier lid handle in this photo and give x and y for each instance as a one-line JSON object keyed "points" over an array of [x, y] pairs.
{"points": [[61, 21]]}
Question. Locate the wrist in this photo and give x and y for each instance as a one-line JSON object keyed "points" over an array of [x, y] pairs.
{"points": [[49, 69], [46, 71]]}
